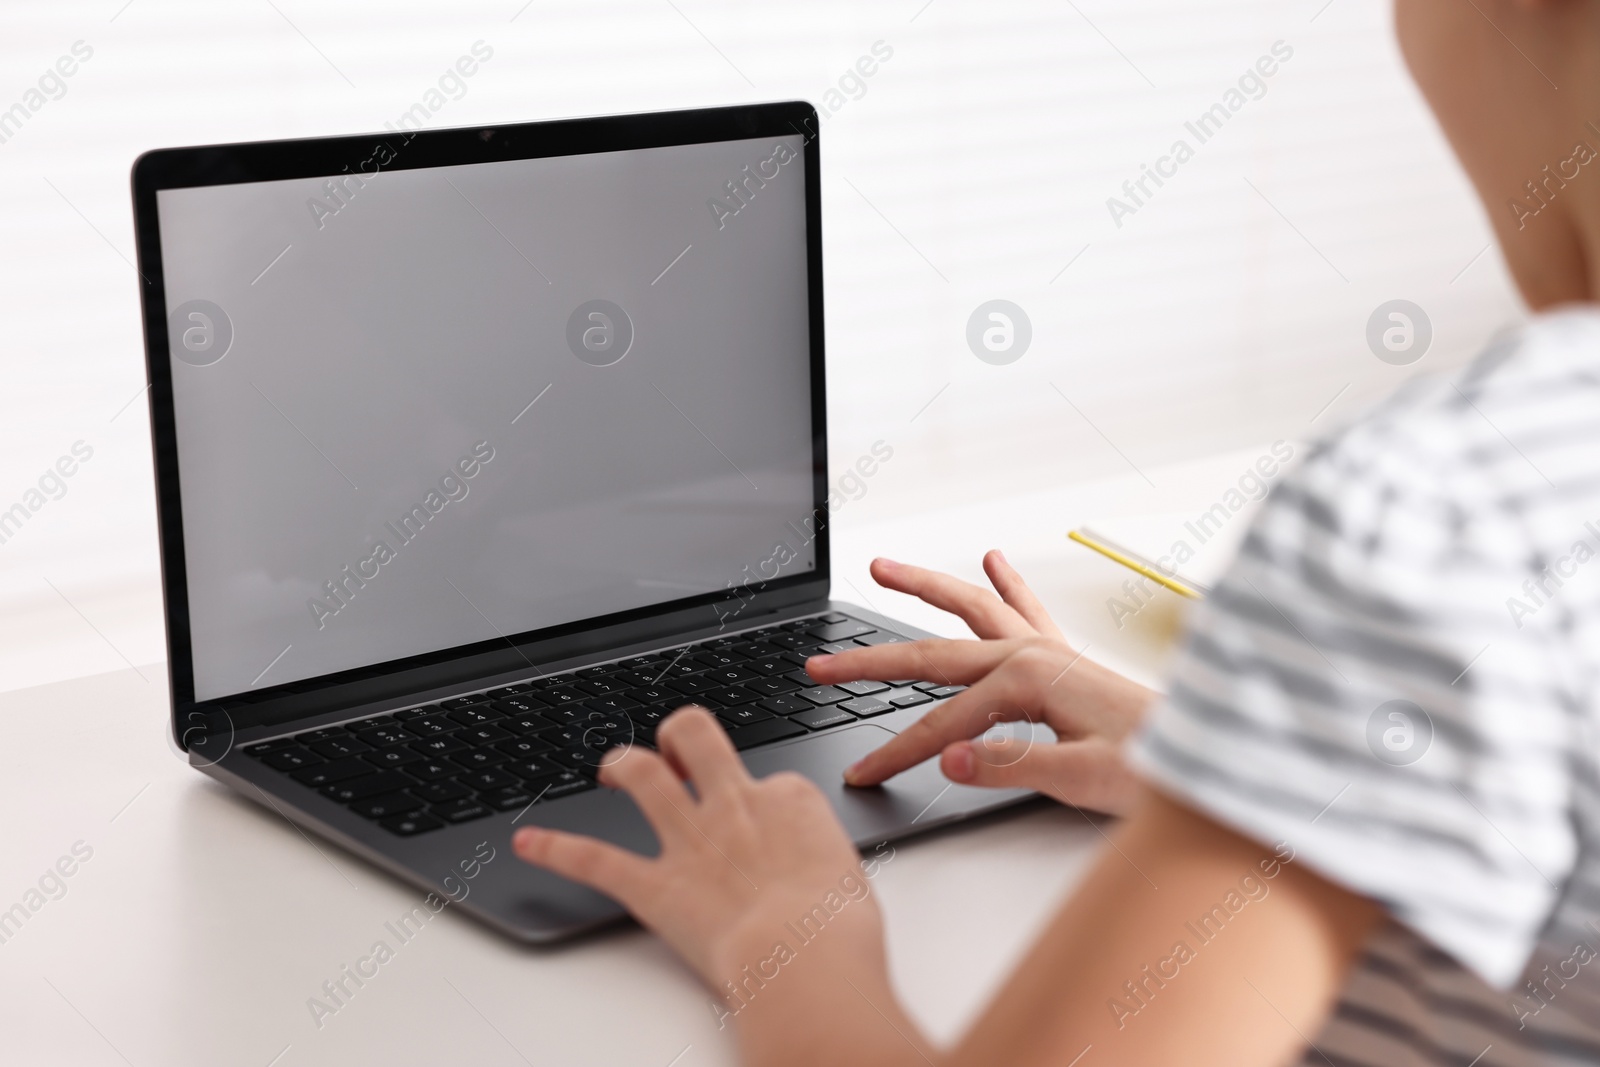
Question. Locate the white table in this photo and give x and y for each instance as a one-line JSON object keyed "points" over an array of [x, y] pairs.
{"points": [[202, 923]]}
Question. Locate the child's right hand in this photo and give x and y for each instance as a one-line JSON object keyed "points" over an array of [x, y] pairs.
{"points": [[1022, 668]]}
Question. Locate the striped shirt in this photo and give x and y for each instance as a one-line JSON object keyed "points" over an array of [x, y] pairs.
{"points": [[1399, 676]]}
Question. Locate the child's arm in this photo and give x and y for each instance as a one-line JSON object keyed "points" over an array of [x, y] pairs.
{"points": [[1265, 942]]}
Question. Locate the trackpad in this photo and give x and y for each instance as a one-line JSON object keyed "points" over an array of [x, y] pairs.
{"points": [[868, 814]]}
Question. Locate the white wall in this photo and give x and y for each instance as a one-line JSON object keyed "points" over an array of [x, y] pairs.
{"points": [[1231, 308]]}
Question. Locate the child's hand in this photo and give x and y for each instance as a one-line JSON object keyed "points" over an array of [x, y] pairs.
{"points": [[739, 857], [1022, 668]]}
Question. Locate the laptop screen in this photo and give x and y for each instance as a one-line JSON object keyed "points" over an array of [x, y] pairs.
{"points": [[419, 409]]}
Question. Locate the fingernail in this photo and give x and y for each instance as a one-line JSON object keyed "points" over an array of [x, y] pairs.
{"points": [[885, 561], [852, 773], [958, 762], [821, 657]]}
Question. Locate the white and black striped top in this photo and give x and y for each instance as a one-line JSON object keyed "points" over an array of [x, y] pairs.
{"points": [[1400, 677]]}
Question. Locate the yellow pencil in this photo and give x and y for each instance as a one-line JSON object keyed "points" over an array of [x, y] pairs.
{"points": [[1135, 564]]}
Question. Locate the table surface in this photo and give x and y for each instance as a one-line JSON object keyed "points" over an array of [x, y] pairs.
{"points": [[200, 924]]}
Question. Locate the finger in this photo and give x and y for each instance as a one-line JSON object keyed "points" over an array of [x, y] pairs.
{"points": [[934, 659], [986, 614], [1014, 591], [621, 875], [695, 742], [966, 715], [652, 784], [1086, 774]]}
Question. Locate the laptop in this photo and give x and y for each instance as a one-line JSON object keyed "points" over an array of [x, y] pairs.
{"points": [[480, 451]]}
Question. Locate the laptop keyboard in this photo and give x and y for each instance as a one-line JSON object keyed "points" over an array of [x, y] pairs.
{"points": [[537, 741]]}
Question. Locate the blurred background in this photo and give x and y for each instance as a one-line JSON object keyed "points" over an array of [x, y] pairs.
{"points": [[975, 161]]}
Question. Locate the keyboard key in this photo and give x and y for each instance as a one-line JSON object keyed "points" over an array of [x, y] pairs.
{"points": [[840, 631], [866, 707], [531, 771], [787, 705], [525, 724], [444, 745], [418, 713], [439, 792], [518, 705], [598, 671], [391, 757], [600, 686], [801, 679], [506, 692], [762, 732], [944, 691], [479, 758], [835, 648], [616, 702], [476, 715], [834, 616], [743, 715], [414, 823], [336, 771], [794, 642], [321, 735], [368, 785], [579, 756], [824, 694], [863, 688], [486, 780], [770, 666], [562, 736], [635, 678], [271, 746], [511, 798], [523, 747], [389, 733], [565, 786], [773, 687], [881, 638], [822, 718], [648, 718], [681, 668], [430, 770], [464, 810], [567, 714], [561, 694], [724, 658], [484, 735], [692, 686], [432, 726], [386, 804], [732, 695], [911, 700], [729, 675], [292, 758], [462, 702], [341, 745], [652, 694], [925, 686]]}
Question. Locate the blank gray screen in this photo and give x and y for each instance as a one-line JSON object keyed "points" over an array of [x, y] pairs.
{"points": [[438, 406]]}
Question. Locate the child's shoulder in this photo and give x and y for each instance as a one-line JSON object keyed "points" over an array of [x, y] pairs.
{"points": [[1521, 421]]}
